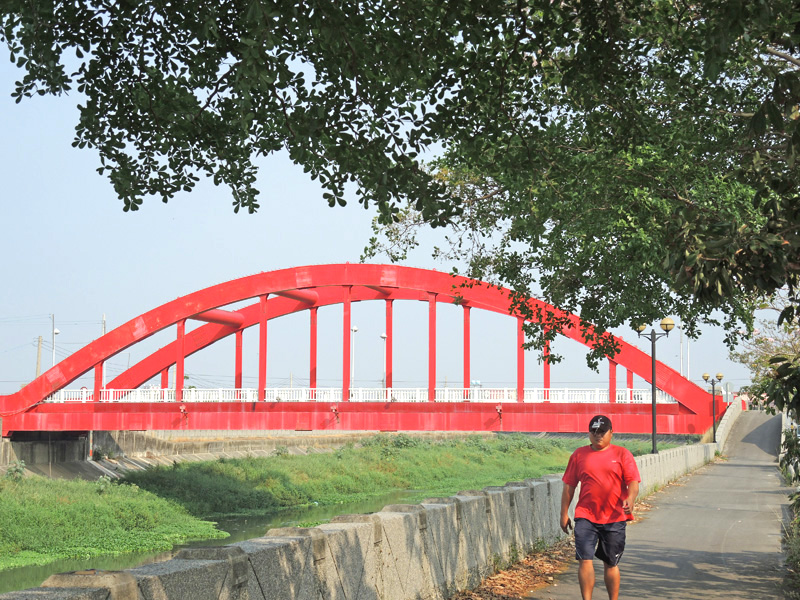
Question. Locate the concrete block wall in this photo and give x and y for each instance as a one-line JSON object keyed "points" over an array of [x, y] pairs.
{"points": [[425, 551]]}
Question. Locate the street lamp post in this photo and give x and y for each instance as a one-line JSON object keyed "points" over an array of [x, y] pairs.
{"points": [[353, 331], [667, 325], [383, 337], [477, 384], [713, 382], [55, 332]]}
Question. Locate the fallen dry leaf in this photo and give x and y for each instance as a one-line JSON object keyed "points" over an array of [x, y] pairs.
{"points": [[535, 571]]}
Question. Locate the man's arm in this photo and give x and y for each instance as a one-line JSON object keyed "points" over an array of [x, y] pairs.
{"points": [[628, 503], [566, 500]]}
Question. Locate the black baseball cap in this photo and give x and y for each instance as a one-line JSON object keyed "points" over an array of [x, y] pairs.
{"points": [[599, 423]]}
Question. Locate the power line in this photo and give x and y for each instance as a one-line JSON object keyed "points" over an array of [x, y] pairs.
{"points": [[43, 319], [25, 319], [15, 348]]}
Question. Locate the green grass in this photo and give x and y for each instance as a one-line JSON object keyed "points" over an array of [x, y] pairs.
{"points": [[42, 520], [385, 463], [792, 547], [792, 582]]}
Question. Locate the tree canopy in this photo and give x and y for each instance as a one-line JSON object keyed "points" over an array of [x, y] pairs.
{"points": [[623, 160], [772, 354]]}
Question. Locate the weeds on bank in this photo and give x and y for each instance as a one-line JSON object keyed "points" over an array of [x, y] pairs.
{"points": [[790, 466], [42, 520], [384, 463], [16, 470], [792, 583]]}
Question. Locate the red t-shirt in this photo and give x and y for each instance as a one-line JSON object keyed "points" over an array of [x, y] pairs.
{"points": [[604, 476]]}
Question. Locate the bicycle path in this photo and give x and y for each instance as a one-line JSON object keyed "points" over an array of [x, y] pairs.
{"points": [[714, 534]]}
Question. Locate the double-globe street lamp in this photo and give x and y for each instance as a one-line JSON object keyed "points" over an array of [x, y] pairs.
{"points": [[667, 325], [713, 382]]}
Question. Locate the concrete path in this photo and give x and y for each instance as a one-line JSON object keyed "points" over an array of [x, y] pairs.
{"points": [[714, 534]]}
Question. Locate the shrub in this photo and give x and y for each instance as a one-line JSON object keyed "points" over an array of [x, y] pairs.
{"points": [[792, 581], [16, 470], [102, 484], [790, 461]]}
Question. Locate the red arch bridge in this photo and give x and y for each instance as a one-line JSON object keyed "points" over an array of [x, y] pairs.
{"points": [[124, 404]]}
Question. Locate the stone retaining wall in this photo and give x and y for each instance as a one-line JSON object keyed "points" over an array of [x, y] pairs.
{"points": [[406, 551]]}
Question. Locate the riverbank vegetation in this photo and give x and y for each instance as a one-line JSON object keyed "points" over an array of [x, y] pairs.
{"points": [[793, 552], [42, 520], [230, 487], [790, 466]]}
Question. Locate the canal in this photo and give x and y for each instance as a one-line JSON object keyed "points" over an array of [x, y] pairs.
{"points": [[239, 528]]}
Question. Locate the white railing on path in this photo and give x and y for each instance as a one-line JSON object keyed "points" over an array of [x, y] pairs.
{"points": [[475, 394]]}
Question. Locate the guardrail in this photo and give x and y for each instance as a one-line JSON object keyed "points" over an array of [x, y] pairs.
{"points": [[475, 394]]}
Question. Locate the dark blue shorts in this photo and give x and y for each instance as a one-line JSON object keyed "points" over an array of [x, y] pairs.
{"points": [[605, 541]]}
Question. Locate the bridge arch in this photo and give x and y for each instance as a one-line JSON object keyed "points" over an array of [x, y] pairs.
{"points": [[286, 291]]}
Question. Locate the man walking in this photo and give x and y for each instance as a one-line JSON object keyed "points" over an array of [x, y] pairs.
{"points": [[609, 481]]}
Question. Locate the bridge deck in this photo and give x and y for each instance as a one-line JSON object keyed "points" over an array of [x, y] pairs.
{"points": [[716, 534]]}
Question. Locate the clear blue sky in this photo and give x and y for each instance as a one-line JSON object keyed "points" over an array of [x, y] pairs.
{"points": [[70, 250]]}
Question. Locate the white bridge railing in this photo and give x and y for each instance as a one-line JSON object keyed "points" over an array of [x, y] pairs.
{"points": [[475, 394]]}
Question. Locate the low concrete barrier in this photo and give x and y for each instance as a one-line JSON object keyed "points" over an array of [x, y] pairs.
{"points": [[425, 551], [657, 470]]}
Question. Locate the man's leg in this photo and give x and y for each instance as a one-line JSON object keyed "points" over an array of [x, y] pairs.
{"points": [[586, 578], [585, 547], [609, 550], [611, 577]]}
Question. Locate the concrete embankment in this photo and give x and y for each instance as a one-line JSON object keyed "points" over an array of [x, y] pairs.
{"points": [[404, 552]]}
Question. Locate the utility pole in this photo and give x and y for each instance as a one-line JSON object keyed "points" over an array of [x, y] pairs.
{"points": [[104, 363], [39, 357], [688, 359], [91, 433]]}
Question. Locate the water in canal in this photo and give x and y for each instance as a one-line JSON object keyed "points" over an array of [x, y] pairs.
{"points": [[240, 528]]}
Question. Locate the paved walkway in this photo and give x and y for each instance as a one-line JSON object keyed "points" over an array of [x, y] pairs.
{"points": [[715, 534]]}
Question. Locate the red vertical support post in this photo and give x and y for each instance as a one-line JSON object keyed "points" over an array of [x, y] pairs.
{"points": [[612, 381], [98, 381], [346, 333], [312, 359], [179, 358], [545, 354], [389, 343], [262, 347], [630, 385], [520, 360], [165, 378], [467, 357], [237, 366], [431, 347]]}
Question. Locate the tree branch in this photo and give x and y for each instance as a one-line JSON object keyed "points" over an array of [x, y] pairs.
{"points": [[215, 91], [784, 56]]}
